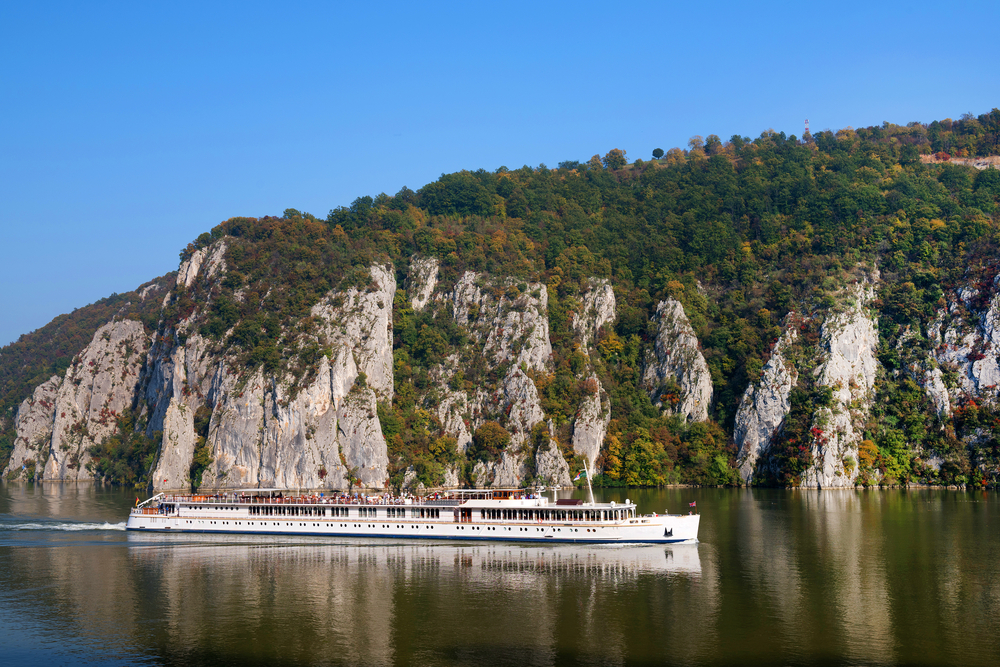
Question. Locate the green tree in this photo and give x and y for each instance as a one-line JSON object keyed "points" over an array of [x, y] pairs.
{"points": [[657, 153]]}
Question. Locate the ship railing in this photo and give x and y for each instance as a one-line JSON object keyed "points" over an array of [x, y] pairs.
{"points": [[308, 500]]}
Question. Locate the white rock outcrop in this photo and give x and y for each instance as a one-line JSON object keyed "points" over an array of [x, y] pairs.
{"points": [[550, 466], [178, 378], [677, 356], [597, 308], [590, 425], [33, 431], [506, 326], [764, 406], [454, 407], [357, 326], [284, 432], [511, 326], [421, 281], [937, 391], [211, 257], [966, 340], [97, 388], [849, 367]]}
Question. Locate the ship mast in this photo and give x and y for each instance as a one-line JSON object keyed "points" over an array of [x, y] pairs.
{"points": [[590, 489]]}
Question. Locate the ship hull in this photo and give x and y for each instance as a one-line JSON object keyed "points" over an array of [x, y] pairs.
{"points": [[654, 530]]}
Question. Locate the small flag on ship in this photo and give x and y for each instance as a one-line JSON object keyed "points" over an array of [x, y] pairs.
{"points": [[694, 504], [137, 501], [582, 473]]}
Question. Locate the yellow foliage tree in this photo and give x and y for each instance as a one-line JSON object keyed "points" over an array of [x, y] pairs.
{"points": [[613, 457]]}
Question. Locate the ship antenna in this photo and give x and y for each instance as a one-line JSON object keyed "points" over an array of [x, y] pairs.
{"points": [[590, 489]]}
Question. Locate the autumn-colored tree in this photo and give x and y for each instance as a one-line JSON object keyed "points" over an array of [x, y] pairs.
{"points": [[615, 159], [444, 449], [674, 156], [868, 454], [490, 440], [595, 162], [612, 457], [610, 346]]}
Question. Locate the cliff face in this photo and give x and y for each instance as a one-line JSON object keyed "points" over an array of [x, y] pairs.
{"points": [[849, 369], [508, 328], [965, 341], [422, 280], [65, 417], [33, 426], [590, 424], [318, 427], [280, 431], [677, 359], [764, 406]]}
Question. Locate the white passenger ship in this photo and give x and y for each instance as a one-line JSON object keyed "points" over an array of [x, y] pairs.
{"points": [[481, 514]]}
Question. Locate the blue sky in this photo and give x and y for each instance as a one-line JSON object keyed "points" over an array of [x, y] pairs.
{"points": [[130, 128]]}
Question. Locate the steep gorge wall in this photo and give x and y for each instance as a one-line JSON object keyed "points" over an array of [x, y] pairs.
{"points": [[843, 364], [677, 359], [66, 416], [849, 339], [764, 405], [322, 430], [281, 431]]}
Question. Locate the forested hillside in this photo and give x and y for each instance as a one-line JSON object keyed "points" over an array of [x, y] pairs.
{"points": [[759, 240]]}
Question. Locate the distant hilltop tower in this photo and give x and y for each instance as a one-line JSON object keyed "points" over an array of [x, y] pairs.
{"points": [[807, 126], [807, 136]]}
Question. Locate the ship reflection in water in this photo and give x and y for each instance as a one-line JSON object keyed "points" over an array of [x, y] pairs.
{"points": [[376, 601], [244, 550]]}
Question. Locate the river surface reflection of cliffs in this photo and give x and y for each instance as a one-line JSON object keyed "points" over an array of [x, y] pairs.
{"points": [[780, 576]]}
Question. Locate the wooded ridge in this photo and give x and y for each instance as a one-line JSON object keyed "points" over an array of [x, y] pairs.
{"points": [[781, 311]]}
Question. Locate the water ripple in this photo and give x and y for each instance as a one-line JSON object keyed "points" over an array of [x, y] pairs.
{"points": [[65, 526]]}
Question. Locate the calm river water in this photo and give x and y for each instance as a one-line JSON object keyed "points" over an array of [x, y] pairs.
{"points": [[780, 577]]}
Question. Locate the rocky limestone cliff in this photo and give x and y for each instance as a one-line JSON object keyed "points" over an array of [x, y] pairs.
{"points": [[357, 325], [509, 328], [512, 327], [677, 358], [177, 380], [590, 424], [277, 431], [211, 257], [421, 281], [764, 406], [966, 342], [319, 427], [98, 386], [849, 367], [33, 426], [597, 308], [550, 465]]}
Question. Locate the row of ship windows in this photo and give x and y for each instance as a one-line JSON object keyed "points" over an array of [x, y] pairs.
{"points": [[289, 523], [555, 515], [363, 512], [434, 513], [371, 525]]}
